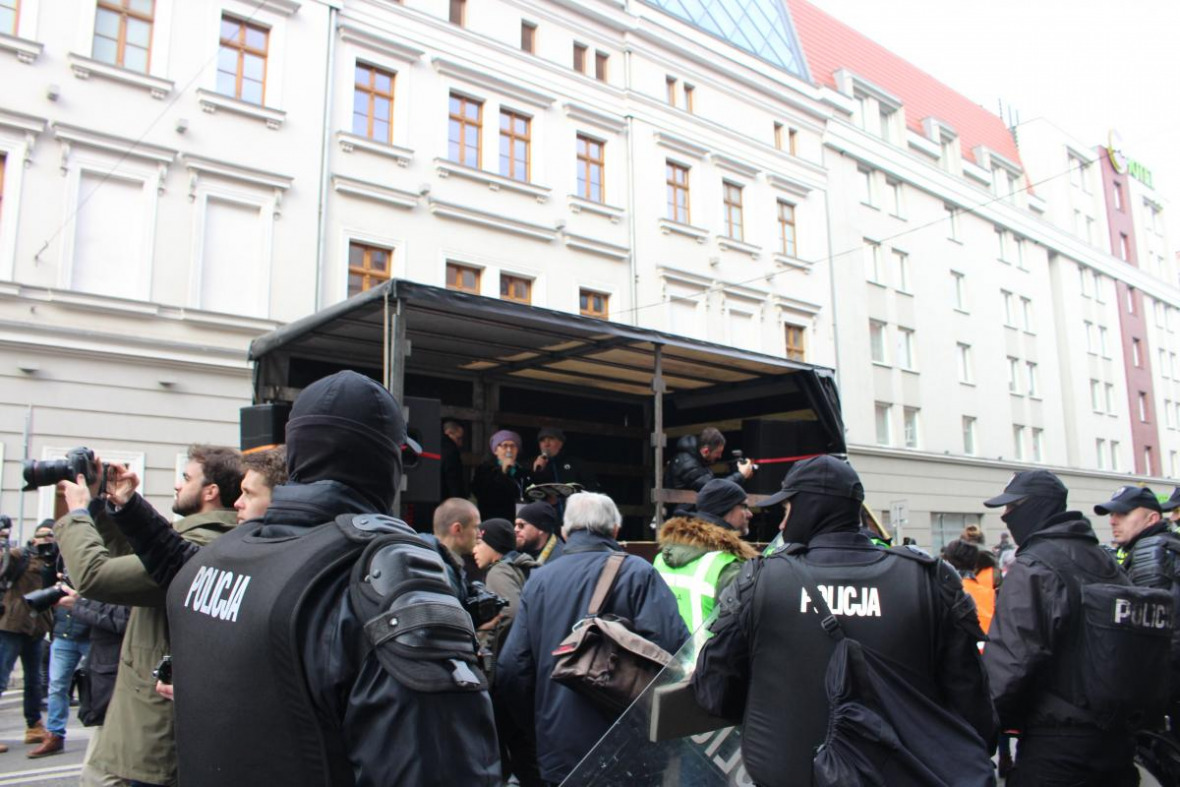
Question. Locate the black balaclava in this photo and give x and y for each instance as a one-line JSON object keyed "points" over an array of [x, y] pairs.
{"points": [[813, 514], [1031, 514], [347, 428]]}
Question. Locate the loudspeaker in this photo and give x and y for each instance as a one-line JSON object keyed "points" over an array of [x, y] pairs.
{"points": [[764, 439], [264, 425], [424, 423]]}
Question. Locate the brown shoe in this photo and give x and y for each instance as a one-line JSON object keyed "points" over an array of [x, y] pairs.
{"points": [[36, 734], [3, 747], [53, 744]]}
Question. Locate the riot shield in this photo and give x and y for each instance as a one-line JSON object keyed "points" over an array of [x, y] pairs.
{"points": [[665, 738]]}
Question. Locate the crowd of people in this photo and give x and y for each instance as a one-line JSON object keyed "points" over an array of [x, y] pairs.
{"points": [[368, 653]]}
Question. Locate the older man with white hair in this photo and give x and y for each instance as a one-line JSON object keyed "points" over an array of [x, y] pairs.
{"points": [[556, 597]]}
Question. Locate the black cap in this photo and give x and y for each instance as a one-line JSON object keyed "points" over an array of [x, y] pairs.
{"points": [[716, 499], [1030, 483], [821, 475], [498, 534], [551, 431], [540, 515], [1172, 502], [1128, 498]]}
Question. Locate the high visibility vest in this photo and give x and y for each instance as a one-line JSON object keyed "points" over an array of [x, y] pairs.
{"points": [[695, 584]]}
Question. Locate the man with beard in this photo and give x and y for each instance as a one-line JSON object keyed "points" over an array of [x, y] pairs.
{"points": [[537, 525], [136, 743], [1033, 659], [765, 665]]}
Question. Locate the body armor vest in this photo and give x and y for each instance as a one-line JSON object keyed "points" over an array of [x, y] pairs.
{"points": [[234, 610], [1151, 563], [888, 605]]}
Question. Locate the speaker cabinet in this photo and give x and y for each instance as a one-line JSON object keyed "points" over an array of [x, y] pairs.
{"points": [[764, 439], [264, 425], [424, 423]]}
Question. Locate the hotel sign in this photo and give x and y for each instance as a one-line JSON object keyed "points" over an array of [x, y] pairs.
{"points": [[1124, 165]]}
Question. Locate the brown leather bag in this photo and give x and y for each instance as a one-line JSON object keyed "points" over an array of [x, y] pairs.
{"points": [[602, 658]]}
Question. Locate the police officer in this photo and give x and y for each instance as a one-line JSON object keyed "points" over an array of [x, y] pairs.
{"points": [[1149, 553], [330, 626], [701, 550], [766, 662], [1033, 660], [1171, 507]]}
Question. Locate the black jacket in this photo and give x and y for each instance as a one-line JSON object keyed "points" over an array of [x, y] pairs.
{"points": [[555, 597], [107, 623], [452, 476], [687, 470], [565, 469], [497, 493], [67, 625], [1028, 643], [1153, 560]]}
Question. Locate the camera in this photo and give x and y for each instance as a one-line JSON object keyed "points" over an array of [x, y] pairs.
{"points": [[41, 600], [736, 458], [78, 462], [163, 670], [482, 604]]}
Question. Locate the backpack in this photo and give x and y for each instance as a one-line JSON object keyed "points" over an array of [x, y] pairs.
{"points": [[881, 730]]}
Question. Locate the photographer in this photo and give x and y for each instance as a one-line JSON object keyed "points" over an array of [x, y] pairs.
{"points": [[71, 643], [689, 468], [22, 628]]}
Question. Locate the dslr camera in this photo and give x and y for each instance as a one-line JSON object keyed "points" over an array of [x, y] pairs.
{"points": [[482, 604], [78, 462], [43, 599]]}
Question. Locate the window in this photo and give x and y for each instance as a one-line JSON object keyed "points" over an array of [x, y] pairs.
{"points": [[1013, 375], [778, 135], [872, 252], [1020, 254], [877, 341], [122, 31], [689, 93], [241, 60], [957, 281], [670, 90], [593, 304], [372, 103], [1026, 314], [1089, 326], [883, 414], [235, 270], [1147, 460], [868, 194], [1109, 388], [1084, 278], [677, 182], [887, 115], [591, 162], [600, 62], [1172, 365], [3, 161], [1038, 444], [368, 266], [1163, 364], [108, 255], [1009, 319], [1175, 463], [796, 348], [893, 189], [1002, 244], [1099, 287], [1096, 395], [8, 16], [793, 142], [458, 14], [514, 145], [733, 210], [1136, 350], [901, 264], [946, 527], [905, 348], [1124, 247], [1076, 171], [1033, 387], [1116, 456], [1018, 442], [1102, 341], [952, 221], [579, 58], [1159, 314], [463, 277], [516, 288], [1142, 407], [464, 130], [963, 354], [1117, 193], [1100, 451], [786, 228], [968, 435], [528, 37], [1168, 413], [910, 423]]}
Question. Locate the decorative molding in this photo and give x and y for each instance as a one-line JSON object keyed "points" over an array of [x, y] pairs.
{"points": [[938, 131], [26, 51], [988, 157], [211, 102], [850, 84], [349, 142], [446, 168], [594, 246], [285, 7], [727, 243], [735, 166], [789, 185], [583, 114], [581, 205], [451, 210], [68, 136], [782, 302], [923, 145], [84, 67], [491, 82], [374, 192], [680, 145], [28, 124], [203, 167], [977, 173], [684, 278], [667, 226], [793, 262], [367, 38]]}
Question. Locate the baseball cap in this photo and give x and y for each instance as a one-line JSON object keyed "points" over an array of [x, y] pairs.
{"points": [[1172, 502], [1128, 498], [821, 475], [1030, 483], [551, 431]]}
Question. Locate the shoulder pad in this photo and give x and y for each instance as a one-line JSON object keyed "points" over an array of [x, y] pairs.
{"points": [[790, 548], [912, 552], [418, 630], [365, 527]]}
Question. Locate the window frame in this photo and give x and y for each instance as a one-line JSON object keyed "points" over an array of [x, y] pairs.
{"points": [[528, 37], [796, 342], [455, 283], [463, 122], [674, 188], [580, 51], [788, 229], [242, 50], [366, 271], [601, 66], [373, 95], [511, 279], [589, 311], [124, 10], [457, 13], [586, 164], [514, 137], [732, 200]]}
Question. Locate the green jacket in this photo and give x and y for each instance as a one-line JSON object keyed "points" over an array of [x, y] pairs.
{"points": [[137, 740], [685, 539]]}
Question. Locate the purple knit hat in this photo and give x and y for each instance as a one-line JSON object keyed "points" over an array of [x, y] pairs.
{"points": [[502, 435]]}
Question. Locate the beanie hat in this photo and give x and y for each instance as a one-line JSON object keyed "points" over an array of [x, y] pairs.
{"points": [[716, 499], [540, 515], [498, 534], [501, 436]]}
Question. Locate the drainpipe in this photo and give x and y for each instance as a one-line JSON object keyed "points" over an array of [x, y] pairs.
{"points": [[633, 266], [831, 271], [321, 240]]}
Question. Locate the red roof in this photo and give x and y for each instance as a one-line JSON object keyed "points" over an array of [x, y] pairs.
{"points": [[829, 45]]}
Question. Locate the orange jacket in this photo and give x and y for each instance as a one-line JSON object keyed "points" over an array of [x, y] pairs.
{"points": [[984, 595]]}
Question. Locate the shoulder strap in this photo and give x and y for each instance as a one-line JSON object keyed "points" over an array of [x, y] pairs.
{"points": [[606, 581], [827, 620]]}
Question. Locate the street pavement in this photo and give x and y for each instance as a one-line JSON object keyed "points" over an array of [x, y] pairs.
{"points": [[57, 770]]}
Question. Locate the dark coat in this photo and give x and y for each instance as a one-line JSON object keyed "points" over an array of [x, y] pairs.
{"points": [[67, 625], [497, 493], [565, 469], [687, 470], [554, 599], [27, 572], [452, 476], [107, 623]]}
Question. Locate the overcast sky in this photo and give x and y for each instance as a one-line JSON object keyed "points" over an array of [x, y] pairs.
{"points": [[1087, 66]]}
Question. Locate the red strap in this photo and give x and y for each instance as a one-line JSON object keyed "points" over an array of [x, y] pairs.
{"points": [[780, 459]]}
